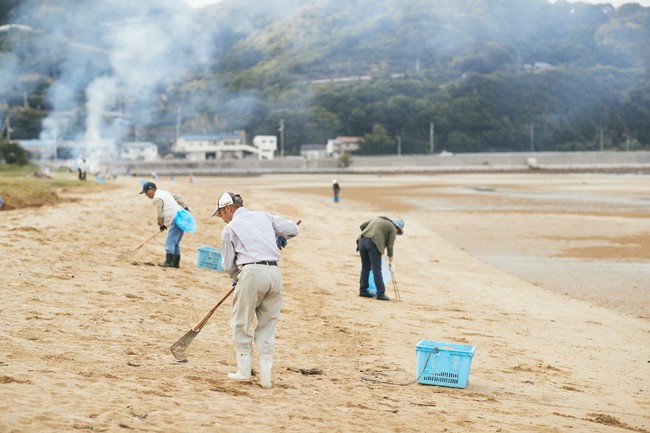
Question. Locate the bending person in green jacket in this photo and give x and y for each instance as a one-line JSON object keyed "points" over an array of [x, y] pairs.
{"points": [[377, 235]]}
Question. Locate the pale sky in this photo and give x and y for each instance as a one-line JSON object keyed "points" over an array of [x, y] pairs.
{"points": [[200, 3], [616, 3]]}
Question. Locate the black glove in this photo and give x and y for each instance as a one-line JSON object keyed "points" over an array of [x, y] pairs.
{"points": [[187, 208], [281, 242], [163, 227]]}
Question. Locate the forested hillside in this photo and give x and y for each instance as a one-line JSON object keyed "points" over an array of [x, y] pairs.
{"points": [[483, 75]]}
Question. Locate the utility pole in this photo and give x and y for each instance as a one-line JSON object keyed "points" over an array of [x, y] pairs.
{"points": [[178, 123], [532, 137], [431, 138], [399, 146], [281, 138], [8, 126], [602, 139]]}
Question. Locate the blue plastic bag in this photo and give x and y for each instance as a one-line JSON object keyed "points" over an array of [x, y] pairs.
{"points": [[185, 221], [385, 273]]}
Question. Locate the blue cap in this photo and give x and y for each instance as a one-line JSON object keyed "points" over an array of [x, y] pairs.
{"points": [[399, 223]]}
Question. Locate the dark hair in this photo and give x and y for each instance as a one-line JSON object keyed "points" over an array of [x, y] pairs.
{"points": [[236, 199]]}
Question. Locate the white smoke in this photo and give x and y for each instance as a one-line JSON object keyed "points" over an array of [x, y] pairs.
{"points": [[119, 59], [101, 95]]}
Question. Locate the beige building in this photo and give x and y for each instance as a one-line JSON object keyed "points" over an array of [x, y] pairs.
{"points": [[139, 151], [224, 146], [336, 146]]}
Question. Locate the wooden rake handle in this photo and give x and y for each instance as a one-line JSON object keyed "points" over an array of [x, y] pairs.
{"points": [[147, 240], [199, 325]]}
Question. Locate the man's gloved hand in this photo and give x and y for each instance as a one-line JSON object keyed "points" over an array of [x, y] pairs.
{"points": [[391, 267], [163, 227], [234, 282], [281, 242]]}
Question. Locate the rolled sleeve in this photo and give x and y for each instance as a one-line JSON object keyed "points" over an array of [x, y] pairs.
{"points": [[390, 242], [286, 228], [158, 203], [228, 255], [179, 200]]}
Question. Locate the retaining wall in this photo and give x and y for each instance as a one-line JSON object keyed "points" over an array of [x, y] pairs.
{"points": [[513, 161]]}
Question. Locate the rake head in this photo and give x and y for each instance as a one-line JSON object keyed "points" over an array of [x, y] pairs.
{"points": [[178, 348], [397, 295]]}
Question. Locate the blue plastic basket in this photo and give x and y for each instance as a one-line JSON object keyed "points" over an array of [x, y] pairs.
{"points": [[209, 257], [443, 364]]}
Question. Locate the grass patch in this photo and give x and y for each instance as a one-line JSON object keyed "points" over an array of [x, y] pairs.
{"points": [[21, 188]]}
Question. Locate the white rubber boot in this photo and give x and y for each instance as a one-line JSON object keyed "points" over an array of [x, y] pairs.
{"points": [[243, 367], [266, 364]]}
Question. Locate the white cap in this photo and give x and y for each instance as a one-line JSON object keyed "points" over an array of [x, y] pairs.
{"points": [[226, 199]]}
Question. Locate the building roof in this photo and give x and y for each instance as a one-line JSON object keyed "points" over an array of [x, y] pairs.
{"points": [[349, 139]]}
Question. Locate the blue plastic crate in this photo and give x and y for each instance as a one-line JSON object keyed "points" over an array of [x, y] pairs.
{"points": [[443, 364], [209, 257]]}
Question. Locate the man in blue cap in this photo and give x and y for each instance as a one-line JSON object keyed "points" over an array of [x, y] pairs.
{"points": [[167, 204], [377, 235]]}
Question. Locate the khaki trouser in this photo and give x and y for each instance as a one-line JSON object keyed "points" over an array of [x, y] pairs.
{"points": [[258, 293]]}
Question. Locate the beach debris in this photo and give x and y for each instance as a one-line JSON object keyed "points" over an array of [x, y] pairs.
{"points": [[306, 371]]}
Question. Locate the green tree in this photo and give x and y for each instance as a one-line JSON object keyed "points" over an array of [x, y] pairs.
{"points": [[12, 153], [377, 142]]}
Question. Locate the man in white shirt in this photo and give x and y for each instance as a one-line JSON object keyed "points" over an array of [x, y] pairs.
{"points": [[167, 205], [250, 245]]}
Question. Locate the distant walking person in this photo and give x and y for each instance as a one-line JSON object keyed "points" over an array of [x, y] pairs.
{"points": [[250, 245], [167, 205], [336, 189], [377, 235]]}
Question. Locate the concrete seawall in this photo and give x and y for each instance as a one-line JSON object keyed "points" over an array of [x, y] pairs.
{"points": [[465, 162]]}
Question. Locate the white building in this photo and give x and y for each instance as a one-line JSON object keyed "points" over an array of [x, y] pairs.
{"points": [[139, 151], [336, 146], [266, 146], [223, 146]]}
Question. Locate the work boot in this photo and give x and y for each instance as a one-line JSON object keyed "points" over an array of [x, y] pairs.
{"points": [[365, 294], [169, 261], [266, 364], [383, 297], [177, 260], [243, 366]]}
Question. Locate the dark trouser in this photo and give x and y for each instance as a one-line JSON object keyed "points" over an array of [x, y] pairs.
{"points": [[370, 260]]}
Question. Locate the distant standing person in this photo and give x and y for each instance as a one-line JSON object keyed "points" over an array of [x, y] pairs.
{"points": [[167, 204], [249, 248], [336, 189], [377, 235], [82, 167]]}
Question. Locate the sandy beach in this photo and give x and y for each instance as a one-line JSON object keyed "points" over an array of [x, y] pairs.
{"points": [[546, 275]]}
